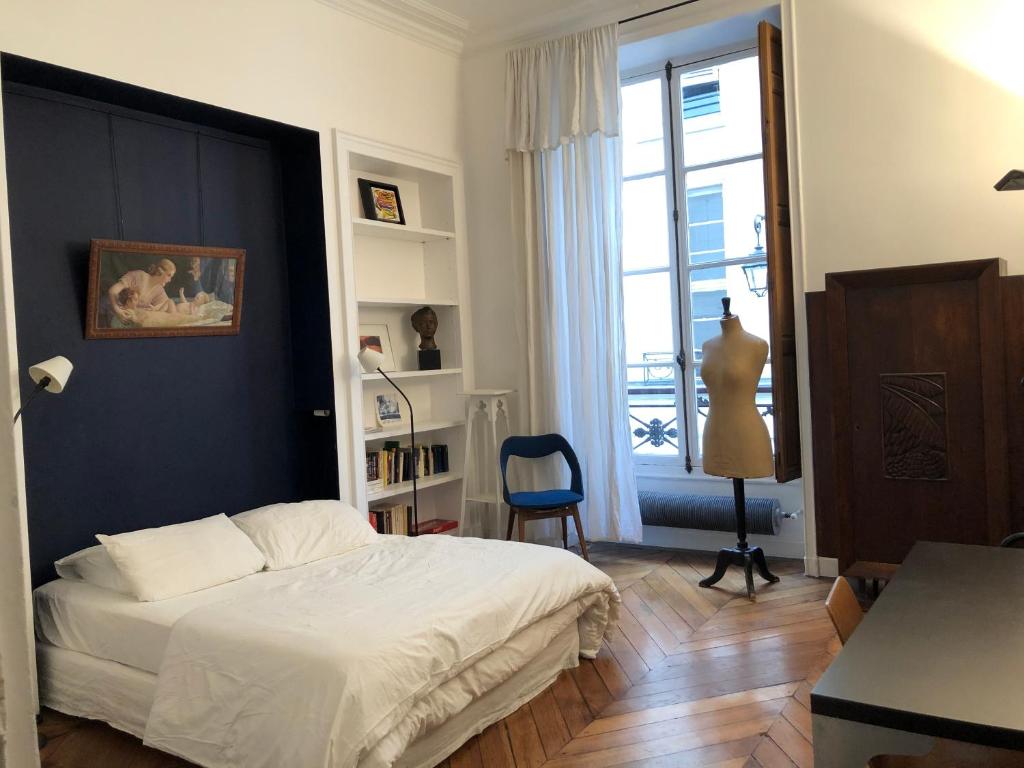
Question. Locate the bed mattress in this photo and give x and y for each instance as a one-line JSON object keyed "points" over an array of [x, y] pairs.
{"points": [[109, 625], [84, 686]]}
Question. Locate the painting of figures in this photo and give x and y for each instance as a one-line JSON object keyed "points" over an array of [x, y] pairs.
{"points": [[148, 289]]}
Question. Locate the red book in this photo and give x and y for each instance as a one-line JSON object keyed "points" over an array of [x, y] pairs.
{"points": [[436, 525]]}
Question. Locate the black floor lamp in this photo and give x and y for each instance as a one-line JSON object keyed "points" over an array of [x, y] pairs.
{"points": [[1014, 180], [370, 360]]}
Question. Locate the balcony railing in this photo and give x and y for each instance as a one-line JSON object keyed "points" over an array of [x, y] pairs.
{"points": [[663, 429]]}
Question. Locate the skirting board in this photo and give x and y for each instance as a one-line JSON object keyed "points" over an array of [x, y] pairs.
{"points": [[712, 541], [828, 566]]}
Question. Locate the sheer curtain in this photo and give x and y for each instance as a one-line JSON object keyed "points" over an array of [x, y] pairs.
{"points": [[562, 108]]}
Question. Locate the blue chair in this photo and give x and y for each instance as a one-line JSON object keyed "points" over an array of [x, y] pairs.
{"points": [[542, 505]]}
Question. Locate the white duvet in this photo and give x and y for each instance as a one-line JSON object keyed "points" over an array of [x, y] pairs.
{"points": [[355, 660]]}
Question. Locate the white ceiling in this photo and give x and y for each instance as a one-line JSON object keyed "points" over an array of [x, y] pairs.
{"points": [[488, 15], [695, 42], [471, 25], [491, 21]]}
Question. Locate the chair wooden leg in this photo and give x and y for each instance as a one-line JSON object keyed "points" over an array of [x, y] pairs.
{"points": [[511, 522], [565, 531], [522, 528], [579, 532]]}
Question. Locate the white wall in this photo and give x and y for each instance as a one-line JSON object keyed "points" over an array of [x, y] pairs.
{"points": [[498, 327], [909, 111], [903, 116], [294, 61], [17, 674]]}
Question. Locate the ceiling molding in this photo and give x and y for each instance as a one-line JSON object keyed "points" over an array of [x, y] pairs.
{"points": [[414, 19], [583, 14], [540, 26], [567, 18]]}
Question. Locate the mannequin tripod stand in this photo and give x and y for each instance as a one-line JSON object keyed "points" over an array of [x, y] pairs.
{"points": [[742, 554]]}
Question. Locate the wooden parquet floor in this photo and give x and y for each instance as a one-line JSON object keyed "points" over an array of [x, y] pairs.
{"points": [[687, 677]]}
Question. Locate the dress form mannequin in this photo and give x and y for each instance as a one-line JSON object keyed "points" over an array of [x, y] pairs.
{"points": [[736, 442]]}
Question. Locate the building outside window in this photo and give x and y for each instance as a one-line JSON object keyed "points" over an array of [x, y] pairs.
{"points": [[716, 119]]}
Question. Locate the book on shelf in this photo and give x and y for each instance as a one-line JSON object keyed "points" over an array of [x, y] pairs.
{"points": [[437, 525], [395, 519], [394, 464], [374, 480]]}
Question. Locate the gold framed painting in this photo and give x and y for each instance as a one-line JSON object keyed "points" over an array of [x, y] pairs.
{"points": [[141, 289]]}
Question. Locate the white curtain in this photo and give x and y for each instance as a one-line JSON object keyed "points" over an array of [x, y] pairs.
{"points": [[562, 103]]}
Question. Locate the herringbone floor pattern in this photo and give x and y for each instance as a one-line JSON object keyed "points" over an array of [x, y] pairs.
{"points": [[687, 677]]}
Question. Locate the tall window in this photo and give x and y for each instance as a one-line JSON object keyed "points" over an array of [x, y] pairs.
{"points": [[674, 304]]}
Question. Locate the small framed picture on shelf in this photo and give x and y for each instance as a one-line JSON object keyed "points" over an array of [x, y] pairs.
{"points": [[388, 410], [376, 337], [381, 201]]}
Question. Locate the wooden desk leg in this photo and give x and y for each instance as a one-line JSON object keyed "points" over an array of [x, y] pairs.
{"points": [[847, 744]]}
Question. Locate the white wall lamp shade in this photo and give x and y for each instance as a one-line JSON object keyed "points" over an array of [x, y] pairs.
{"points": [[58, 369], [370, 359], [51, 375]]}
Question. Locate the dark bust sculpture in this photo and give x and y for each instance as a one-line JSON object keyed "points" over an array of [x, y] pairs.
{"points": [[424, 322]]}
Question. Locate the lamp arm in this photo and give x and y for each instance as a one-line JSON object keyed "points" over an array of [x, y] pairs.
{"points": [[415, 455], [43, 384]]}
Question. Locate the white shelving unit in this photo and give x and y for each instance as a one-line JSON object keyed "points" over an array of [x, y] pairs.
{"points": [[405, 302], [405, 233], [400, 489], [412, 374], [387, 434], [389, 271]]}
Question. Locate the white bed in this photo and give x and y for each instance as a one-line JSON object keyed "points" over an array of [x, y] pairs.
{"points": [[391, 654]]}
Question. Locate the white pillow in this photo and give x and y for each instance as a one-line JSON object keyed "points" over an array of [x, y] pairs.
{"points": [[158, 563], [93, 565], [295, 534]]}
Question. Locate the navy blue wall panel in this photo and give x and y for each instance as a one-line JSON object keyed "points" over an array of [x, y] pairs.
{"points": [[157, 181], [151, 431]]}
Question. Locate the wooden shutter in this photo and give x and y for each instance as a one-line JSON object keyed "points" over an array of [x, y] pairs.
{"points": [[780, 255]]}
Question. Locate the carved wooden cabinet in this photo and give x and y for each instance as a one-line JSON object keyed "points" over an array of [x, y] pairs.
{"points": [[918, 409]]}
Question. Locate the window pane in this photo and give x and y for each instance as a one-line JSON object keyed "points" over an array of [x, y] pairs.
{"points": [[702, 412], [700, 98], [652, 420], [710, 273], [705, 224], [721, 109], [652, 371], [645, 223], [648, 317], [706, 294], [643, 148], [704, 204], [721, 204], [762, 401]]}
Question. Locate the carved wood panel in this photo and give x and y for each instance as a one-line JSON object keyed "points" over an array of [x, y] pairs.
{"points": [[914, 426], [898, 425]]}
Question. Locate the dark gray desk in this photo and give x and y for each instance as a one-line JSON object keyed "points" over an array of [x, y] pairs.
{"points": [[940, 654]]}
